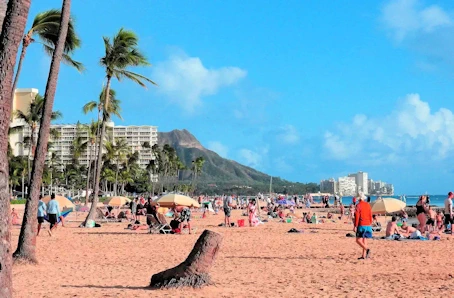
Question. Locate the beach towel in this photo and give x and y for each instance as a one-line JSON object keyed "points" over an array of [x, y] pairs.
{"points": [[64, 214]]}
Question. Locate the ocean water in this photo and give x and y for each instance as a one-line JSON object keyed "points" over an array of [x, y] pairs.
{"points": [[435, 200]]}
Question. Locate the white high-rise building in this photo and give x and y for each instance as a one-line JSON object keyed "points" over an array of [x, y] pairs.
{"points": [[135, 136], [361, 182], [347, 186]]}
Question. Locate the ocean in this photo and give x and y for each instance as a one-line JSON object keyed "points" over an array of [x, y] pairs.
{"points": [[435, 200]]}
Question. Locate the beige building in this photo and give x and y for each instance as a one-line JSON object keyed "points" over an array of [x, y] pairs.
{"points": [[135, 136]]}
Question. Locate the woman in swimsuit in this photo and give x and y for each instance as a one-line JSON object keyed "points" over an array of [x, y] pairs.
{"points": [[421, 213]]}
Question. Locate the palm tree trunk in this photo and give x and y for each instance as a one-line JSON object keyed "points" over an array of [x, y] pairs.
{"points": [[116, 178], [94, 204], [88, 176], [27, 238], [25, 43], [23, 186], [2, 13], [13, 26]]}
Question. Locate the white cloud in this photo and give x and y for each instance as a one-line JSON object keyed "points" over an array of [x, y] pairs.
{"points": [[412, 129], [288, 134], [219, 148], [185, 80], [253, 158], [407, 17]]}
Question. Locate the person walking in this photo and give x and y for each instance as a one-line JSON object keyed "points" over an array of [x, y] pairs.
{"points": [[41, 213], [362, 226], [448, 212], [53, 212]]}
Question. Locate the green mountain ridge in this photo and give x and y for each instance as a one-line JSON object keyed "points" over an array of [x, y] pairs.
{"points": [[218, 170]]}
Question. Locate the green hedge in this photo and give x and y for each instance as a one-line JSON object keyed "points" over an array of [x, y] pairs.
{"points": [[18, 202]]}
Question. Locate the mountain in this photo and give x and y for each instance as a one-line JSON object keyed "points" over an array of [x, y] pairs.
{"points": [[218, 170]]}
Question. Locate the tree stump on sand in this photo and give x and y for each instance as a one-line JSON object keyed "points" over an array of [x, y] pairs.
{"points": [[194, 271]]}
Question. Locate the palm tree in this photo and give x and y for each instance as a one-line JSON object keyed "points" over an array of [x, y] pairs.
{"points": [[114, 109], [27, 238], [31, 119], [13, 26], [120, 53], [121, 149], [45, 27], [92, 130], [79, 144], [197, 166]]}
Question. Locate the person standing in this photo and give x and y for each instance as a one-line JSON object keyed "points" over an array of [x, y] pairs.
{"points": [[53, 212], [448, 211], [41, 213], [134, 209], [362, 226], [227, 210]]}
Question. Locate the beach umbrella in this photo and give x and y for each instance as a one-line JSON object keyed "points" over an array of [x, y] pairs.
{"points": [[387, 205], [117, 201], [63, 202], [286, 202], [179, 200]]}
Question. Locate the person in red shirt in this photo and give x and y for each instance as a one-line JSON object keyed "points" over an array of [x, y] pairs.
{"points": [[362, 226]]}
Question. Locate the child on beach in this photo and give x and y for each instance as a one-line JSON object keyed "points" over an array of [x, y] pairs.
{"points": [[14, 217]]}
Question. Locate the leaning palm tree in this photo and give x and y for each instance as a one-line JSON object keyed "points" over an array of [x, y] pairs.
{"points": [[120, 53], [92, 130], [113, 109], [12, 28], [26, 248], [45, 28]]}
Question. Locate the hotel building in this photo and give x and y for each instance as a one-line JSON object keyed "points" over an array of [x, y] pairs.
{"points": [[135, 136]]}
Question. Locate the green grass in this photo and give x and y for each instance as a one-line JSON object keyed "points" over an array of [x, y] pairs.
{"points": [[18, 202]]}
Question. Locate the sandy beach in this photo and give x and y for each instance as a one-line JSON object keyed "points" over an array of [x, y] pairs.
{"points": [[264, 261]]}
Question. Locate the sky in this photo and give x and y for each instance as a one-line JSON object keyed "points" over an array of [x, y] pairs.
{"points": [[304, 90]]}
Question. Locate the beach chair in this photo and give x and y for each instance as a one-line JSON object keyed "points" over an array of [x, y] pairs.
{"points": [[102, 217], [158, 227]]}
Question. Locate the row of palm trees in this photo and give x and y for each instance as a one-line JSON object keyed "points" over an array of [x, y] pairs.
{"points": [[55, 31]]}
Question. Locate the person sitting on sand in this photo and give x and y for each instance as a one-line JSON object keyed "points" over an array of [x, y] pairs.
{"points": [[183, 214], [329, 215], [439, 220], [409, 231], [14, 217], [314, 218], [375, 222], [431, 220], [392, 230]]}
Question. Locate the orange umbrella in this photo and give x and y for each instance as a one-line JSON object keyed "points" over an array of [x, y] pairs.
{"points": [[63, 202]]}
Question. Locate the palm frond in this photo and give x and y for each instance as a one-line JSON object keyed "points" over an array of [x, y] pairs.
{"points": [[135, 77], [89, 106]]}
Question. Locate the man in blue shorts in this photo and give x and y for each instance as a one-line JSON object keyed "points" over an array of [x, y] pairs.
{"points": [[362, 227]]}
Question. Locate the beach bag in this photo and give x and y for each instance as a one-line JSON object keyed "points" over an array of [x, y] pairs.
{"points": [[90, 223]]}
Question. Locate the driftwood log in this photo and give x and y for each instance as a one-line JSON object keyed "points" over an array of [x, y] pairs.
{"points": [[194, 271]]}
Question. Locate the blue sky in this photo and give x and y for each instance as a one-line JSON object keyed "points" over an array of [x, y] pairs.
{"points": [[304, 90]]}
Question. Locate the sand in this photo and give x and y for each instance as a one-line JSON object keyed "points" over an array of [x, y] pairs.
{"points": [[264, 261]]}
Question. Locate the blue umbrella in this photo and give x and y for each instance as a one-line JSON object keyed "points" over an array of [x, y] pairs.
{"points": [[286, 202]]}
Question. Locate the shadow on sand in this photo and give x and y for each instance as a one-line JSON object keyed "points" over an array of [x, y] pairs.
{"points": [[108, 287]]}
